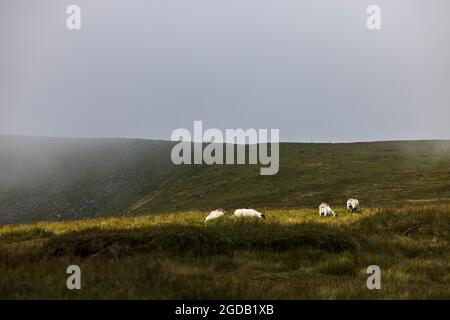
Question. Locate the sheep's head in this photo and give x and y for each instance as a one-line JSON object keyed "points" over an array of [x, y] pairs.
{"points": [[263, 215]]}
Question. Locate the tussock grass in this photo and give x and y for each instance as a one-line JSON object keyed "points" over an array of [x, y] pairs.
{"points": [[293, 254]]}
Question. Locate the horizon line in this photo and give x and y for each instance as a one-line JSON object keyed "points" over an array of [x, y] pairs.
{"points": [[167, 140]]}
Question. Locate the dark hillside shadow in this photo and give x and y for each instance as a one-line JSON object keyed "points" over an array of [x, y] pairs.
{"points": [[219, 238]]}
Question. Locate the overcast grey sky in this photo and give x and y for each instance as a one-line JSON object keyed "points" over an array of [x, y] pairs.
{"points": [[140, 68]]}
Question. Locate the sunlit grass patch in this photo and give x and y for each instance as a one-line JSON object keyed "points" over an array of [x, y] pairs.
{"points": [[292, 254]]}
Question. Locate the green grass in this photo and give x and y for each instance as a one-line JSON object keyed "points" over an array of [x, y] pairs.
{"points": [[293, 254], [133, 221]]}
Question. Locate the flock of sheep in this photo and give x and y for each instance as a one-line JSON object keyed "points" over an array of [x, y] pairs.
{"points": [[324, 210]]}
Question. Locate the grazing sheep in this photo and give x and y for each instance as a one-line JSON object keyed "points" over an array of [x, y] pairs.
{"points": [[215, 214], [352, 205], [248, 213], [325, 210]]}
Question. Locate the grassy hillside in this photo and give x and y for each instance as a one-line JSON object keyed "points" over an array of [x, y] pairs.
{"points": [[291, 254], [154, 244], [41, 178]]}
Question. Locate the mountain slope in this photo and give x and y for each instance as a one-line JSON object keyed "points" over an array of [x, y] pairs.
{"points": [[41, 178]]}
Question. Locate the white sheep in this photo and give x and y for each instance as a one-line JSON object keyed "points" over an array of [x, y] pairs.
{"points": [[352, 205], [325, 210], [214, 214], [248, 213]]}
